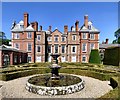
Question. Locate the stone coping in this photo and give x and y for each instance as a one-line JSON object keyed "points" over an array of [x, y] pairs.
{"points": [[42, 90]]}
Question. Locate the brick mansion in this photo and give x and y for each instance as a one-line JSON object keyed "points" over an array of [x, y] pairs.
{"points": [[72, 45]]}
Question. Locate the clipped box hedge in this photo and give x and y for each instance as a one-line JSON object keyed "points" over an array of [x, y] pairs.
{"points": [[112, 56], [18, 74]]}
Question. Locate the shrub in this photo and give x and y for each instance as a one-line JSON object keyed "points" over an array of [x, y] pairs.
{"points": [[114, 82], [94, 57], [112, 56]]}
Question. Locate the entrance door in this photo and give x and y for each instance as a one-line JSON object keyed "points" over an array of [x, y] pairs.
{"points": [[49, 59], [38, 59], [73, 59], [63, 58]]}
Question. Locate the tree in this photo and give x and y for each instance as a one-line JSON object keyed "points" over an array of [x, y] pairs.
{"points": [[3, 39], [117, 35], [94, 57]]}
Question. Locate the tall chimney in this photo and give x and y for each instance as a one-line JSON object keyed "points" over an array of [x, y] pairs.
{"points": [[86, 21], [72, 27], [77, 25], [40, 28], [26, 20], [35, 25], [106, 41], [50, 28], [65, 29]]}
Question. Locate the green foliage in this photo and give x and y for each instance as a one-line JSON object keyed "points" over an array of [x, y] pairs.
{"points": [[114, 82], [119, 40], [94, 57], [112, 56]]}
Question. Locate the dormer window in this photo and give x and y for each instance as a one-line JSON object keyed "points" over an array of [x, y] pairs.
{"points": [[21, 26], [90, 27]]}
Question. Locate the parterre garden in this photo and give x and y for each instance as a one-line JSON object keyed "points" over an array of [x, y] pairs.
{"points": [[98, 71]]}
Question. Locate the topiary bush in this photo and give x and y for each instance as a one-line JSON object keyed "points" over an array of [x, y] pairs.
{"points": [[94, 57]]}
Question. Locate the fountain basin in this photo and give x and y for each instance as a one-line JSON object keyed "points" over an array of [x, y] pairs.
{"points": [[58, 89]]}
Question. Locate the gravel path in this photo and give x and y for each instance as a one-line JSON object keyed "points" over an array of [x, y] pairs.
{"points": [[94, 88]]}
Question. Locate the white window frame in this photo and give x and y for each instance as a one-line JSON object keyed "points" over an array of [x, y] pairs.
{"points": [[37, 48], [84, 35], [50, 48], [85, 59], [91, 46], [30, 57], [72, 49], [64, 39], [16, 44], [40, 58], [85, 47], [28, 46], [29, 35], [16, 36], [49, 38], [54, 48], [73, 37], [72, 59], [38, 37], [64, 48], [55, 36], [92, 36]]}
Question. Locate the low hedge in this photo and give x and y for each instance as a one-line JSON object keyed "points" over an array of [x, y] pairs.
{"points": [[114, 82], [18, 74], [99, 74]]}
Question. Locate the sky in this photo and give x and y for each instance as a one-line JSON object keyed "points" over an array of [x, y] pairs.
{"points": [[104, 15]]}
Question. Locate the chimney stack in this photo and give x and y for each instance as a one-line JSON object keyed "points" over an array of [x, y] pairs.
{"points": [[50, 28], [65, 29], [77, 25], [40, 28], [106, 41], [35, 25], [86, 21], [26, 20], [72, 27]]}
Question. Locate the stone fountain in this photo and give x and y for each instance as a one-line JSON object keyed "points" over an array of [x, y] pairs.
{"points": [[54, 83]]}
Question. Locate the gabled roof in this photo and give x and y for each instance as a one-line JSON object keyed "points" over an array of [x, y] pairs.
{"points": [[56, 30]]}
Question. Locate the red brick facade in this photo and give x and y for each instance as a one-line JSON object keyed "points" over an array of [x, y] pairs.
{"points": [[72, 46]]}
